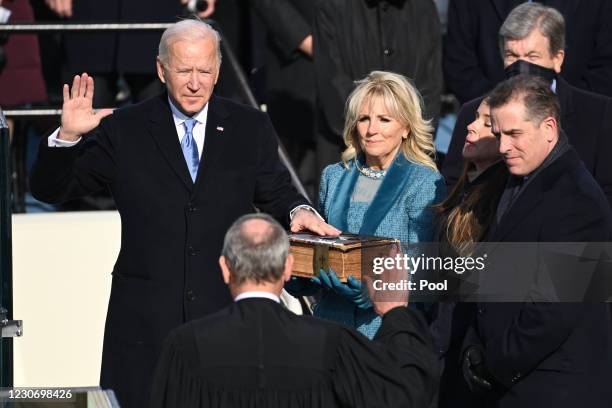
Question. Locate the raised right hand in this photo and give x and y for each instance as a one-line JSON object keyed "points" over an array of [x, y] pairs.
{"points": [[78, 115]]}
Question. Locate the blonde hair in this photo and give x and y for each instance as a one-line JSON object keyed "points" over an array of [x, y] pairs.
{"points": [[404, 104]]}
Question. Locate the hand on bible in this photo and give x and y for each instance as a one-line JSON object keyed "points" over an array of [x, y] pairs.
{"points": [[306, 220], [78, 115]]}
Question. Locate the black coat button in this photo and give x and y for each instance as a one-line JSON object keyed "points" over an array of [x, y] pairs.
{"points": [[388, 52], [191, 251], [190, 296]]}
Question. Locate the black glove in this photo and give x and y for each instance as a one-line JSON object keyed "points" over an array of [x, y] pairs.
{"points": [[475, 372]]}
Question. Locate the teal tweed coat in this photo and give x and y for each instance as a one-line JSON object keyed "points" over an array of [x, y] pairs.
{"points": [[400, 209]]}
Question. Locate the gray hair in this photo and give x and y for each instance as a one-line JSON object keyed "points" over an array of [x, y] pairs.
{"points": [[539, 100], [256, 255], [188, 30], [526, 17]]}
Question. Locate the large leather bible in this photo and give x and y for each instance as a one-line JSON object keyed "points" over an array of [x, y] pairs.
{"points": [[347, 254]]}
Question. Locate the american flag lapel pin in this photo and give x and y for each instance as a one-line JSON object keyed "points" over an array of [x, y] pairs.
{"points": [[220, 128]]}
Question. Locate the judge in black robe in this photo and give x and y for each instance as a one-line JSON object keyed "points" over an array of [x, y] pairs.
{"points": [[257, 354]]}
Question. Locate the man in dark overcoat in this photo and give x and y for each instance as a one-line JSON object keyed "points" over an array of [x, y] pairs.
{"points": [[539, 352], [471, 53], [181, 167]]}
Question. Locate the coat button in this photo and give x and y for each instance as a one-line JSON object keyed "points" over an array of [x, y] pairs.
{"points": [[191, 251], [481, 311], [191, 208], [388, 52], [190, 296]]}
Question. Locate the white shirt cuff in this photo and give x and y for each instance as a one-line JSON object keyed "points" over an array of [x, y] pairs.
{"points": [[53, 141], [306, 207]]}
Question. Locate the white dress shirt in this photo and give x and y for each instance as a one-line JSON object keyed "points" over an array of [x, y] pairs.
{"points": [[257, 294]]}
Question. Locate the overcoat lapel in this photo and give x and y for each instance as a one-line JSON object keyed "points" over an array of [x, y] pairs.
{"points": [[218, 133], [338, 211], [528, 200], [386, 196], [161, 127], [564, 93]]}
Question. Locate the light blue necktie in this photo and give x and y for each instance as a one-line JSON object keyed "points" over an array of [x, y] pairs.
{"points": [[190, 148]]}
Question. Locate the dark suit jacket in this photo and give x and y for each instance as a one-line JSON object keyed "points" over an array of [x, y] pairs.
{"points": [[586, 118], [472, 61], [551, 354], [257, 354], [172, 230]]}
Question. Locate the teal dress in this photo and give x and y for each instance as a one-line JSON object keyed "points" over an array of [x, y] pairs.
{"points": [[400, 208]]}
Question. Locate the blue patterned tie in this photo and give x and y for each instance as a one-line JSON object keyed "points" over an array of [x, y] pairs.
{"points": [[190, 148]]}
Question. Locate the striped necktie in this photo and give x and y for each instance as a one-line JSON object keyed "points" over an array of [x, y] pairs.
{"points": [[190, 148]]}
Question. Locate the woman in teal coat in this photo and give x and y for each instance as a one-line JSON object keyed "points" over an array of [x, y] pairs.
{"points": [[385, 184]]}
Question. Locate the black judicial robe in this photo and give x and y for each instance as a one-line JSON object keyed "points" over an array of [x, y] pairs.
{"points": [[257, 354]]}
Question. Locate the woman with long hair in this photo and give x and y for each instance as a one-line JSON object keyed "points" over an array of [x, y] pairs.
{"points": [[465, 218], [385, 184]]}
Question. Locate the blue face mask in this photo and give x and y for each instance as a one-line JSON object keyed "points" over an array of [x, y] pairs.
{"points": [[526, 67]]}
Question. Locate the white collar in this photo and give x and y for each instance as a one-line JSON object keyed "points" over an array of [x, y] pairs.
{"points": [[257, 294], [179, 117]]}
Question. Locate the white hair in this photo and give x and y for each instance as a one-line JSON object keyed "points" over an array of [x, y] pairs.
{"points": [[188, 30]]}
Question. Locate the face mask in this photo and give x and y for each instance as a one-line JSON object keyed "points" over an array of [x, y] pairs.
{"points": [[525, 67]]}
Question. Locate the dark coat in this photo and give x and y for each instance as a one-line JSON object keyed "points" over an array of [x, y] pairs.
{"points": [[290, 82], [355, 37], [172, 230], [257, 354], [473, 63], [551, 354], [586, 118], [129, 52], [21, 80]]}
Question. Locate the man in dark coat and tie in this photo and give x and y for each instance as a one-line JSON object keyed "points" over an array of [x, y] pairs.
{"points": [[539, 352], [255, 353], [532, 40], [181, 167], [471, 53]]}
